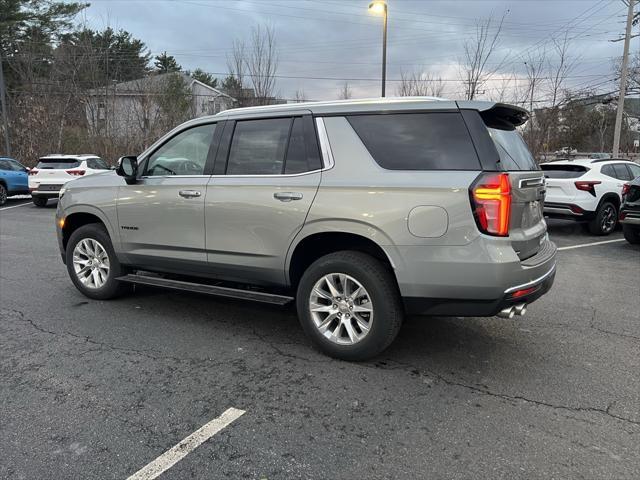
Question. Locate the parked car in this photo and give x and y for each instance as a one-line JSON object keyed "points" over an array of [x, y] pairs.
{"points": [[360, 210], [630, 211], [13, 179], [587, 190], [53, 171]]}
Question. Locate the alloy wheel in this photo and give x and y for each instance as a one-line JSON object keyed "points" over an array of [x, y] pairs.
{"points": [[341, 308], [608, 219], [91, 263]]}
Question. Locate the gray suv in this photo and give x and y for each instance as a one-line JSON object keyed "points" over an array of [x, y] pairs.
{"points": [[359, 211]]}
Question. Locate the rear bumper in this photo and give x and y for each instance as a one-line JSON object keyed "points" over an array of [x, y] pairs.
{"points": [[568, 211], [477, 308], [36, 193], [630, 216], [478, 279]]}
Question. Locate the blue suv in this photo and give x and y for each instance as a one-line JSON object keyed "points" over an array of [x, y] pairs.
{"points": [[13, 179]]}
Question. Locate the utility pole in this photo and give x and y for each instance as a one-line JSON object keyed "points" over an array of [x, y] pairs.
{"points": [[623, 83], [5, 114]]}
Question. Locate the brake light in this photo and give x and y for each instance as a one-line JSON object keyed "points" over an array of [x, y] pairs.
{"points": [[587, 186], [491, 201], [625, 189], [77, 173], [33, 171]]}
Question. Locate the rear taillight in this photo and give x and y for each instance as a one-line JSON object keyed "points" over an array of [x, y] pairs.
{"points": [[33, 171], [491, 201], [625, 189], [77, 173], [588, 186]]}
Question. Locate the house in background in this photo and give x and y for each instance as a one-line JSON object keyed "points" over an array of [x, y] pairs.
{"points": [[151, 105]]}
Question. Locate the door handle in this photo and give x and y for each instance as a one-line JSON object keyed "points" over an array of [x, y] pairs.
{"points": [[189, 193], [287, 196]]}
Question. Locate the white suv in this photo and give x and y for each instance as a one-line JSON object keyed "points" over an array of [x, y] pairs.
{"points": [[53, 171], [587, 190]]}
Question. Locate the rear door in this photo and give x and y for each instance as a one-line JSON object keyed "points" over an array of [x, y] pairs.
{"points": [[161, 217], [267, 173], [560, 180], [527, 228], [52, 172]]}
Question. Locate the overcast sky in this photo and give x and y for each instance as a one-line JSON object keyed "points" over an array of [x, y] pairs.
{"points": [[323, 43]]}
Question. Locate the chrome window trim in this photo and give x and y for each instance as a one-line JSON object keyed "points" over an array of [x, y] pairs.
{"points": [[325, 145], [175, 176]]}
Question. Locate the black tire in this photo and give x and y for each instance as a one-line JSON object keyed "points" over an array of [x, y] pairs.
{"points": [[111, 288], [601, 225], [39, 201], [631, 234], [381, 286], [3, 194]]}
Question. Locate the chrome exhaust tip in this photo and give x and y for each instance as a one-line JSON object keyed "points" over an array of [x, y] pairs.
{"points": [[520, 309], [508, 312]]}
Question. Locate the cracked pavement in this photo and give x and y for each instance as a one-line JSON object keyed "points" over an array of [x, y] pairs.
{"points": [[96, 389]]}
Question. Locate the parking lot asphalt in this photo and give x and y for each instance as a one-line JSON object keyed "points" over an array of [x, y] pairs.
{"points": [[95, 389]]}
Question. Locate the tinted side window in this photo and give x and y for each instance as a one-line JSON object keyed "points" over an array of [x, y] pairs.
{"points": [[417, 141], [97, 163], [4, 165], [184, 154], [296, 161], [635, 170], [621, 171], [258, 147], [608, 171]]}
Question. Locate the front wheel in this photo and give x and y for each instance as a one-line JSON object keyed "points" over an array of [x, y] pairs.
{"points": [[3, 194], [631, 234], [92, 263], [349, 305], [605, 221], [39, 201]]}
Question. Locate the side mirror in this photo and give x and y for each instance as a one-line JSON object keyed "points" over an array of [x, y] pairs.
{"points": [[128, 169]]}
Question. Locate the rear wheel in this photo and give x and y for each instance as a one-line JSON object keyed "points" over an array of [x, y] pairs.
{"points": [[3, 194], [39, 201], [605, 221], [349, 306], [631, 234], [92, 263]]}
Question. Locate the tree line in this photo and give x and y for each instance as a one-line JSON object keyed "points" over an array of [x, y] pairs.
{"points": [[55, 69]]}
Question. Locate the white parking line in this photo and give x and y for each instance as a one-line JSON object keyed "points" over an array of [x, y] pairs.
{"points": [[571, 247], [172, 456], [15, 206]]}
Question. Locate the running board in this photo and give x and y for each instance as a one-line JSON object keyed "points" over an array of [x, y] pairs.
{"points": [[207, 289]]}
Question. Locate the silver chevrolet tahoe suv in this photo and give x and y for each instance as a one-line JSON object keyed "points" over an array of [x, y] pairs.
{"points": [[361, 211]]}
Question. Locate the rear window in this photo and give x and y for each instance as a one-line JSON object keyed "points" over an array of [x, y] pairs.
{"points": [[563, 171], [513, 152], [58, 163], [417, 141]]}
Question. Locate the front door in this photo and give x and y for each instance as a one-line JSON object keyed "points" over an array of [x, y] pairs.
{"points": [[161, 217], [255, 206]]}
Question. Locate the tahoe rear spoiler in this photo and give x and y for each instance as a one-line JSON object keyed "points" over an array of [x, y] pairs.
{"points": [[498, 115]]}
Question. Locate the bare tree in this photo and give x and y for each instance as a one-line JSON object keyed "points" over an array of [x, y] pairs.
{"points": [[345, 92], [534, 64], [262, 63], [419, 84], [477, 52], [236, 64], [300, 96]]}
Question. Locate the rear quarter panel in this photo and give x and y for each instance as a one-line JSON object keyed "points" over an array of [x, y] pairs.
{"points": [[358, 196]]}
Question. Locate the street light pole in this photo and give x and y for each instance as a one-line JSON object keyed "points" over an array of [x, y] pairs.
{"points": [[5, 115], [623, 83], [384, 52], [379, 7]]}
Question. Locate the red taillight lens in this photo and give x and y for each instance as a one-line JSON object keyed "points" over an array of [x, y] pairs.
{"points": [[625, 189], [33, 171], [491, 198], [75, 172], [588, 186]]}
